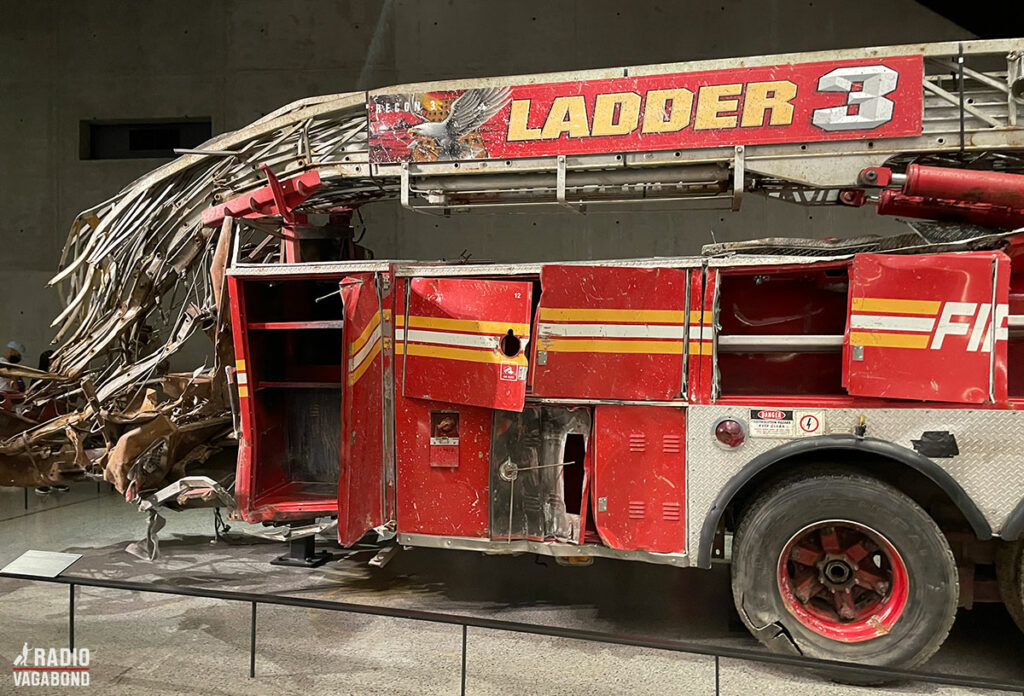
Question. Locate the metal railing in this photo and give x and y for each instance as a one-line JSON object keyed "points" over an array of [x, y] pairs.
{"points": [[865, 672]]}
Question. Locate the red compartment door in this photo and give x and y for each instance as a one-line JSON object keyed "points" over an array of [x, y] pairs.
{"points": [[465, 341], [921, 327], [361, 480], [639, 488], [611, 333]]}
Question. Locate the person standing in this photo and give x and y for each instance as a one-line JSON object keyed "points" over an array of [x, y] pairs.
{"points": [[12, 356]]}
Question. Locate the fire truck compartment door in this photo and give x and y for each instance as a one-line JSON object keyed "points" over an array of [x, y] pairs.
{"points": [[465, 341], [920, 327], [361, 483], [639, 489], [611, 333]]}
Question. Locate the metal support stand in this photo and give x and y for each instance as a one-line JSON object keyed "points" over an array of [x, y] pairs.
{"points": [[302, 554], [26, 497], [739, 175]]}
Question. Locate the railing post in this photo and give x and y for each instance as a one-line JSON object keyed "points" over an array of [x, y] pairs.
{"points": [[716, 676], [71, 616], [464, 629], [252, 644]]}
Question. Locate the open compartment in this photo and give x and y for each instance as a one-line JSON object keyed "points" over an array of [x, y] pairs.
{"points": [[293, 303], [299, 433], [781, 331], [294, 340]]}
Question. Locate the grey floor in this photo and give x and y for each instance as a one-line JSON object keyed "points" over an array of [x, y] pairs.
{"points": [[158, 644]]}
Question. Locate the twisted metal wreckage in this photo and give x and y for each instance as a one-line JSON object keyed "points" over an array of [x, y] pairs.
{"points": [[145, 271], [141, 274]]}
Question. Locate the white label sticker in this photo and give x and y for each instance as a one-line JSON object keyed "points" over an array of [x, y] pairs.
{"points": [[809, 423], [771, 422]]}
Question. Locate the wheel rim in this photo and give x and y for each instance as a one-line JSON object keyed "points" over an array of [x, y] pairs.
{"points": [[843, 581]]}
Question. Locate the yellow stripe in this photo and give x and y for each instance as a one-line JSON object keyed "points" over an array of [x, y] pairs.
{"points": [[243, 390], [696, 316], [358, 344], [662, 316], [400, 320], [888, 340], [700, 348], [467, 325], [465, 354], [878, 304], [387, 315], [365, 364], [612, 346], [240, 365]]}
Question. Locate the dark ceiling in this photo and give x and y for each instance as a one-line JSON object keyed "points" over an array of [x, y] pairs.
{"points": [[988, 19]]}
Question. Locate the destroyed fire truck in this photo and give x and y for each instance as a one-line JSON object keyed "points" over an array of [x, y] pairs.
{"points": [[841, 419]]}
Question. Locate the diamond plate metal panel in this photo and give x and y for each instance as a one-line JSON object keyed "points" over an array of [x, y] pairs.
{"points": [[990, 466]]}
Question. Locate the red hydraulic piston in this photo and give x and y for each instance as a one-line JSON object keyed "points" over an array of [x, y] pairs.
{"points": [[893, 202], [966, 185]]}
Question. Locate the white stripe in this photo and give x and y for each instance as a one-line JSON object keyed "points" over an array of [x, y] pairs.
{"points": [[695, 332], [358, 358], [613, 330], [871, 321], [242, 378], [446, 338]]}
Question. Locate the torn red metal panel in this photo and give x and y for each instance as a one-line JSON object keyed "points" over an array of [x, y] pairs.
{"points": [[246, 451], [639, 488], [914, 318], [695, 341], [611, 333], [705, 348], [875, 97], [361, 482], [465, 341]]}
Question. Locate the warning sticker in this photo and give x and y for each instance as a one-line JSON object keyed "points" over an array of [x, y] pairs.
{"points": [[808, 423], [771, 422], [780, 423]]}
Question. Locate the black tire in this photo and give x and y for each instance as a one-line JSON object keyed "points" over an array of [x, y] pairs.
{"points": [[797, 504], [1010, 573]]}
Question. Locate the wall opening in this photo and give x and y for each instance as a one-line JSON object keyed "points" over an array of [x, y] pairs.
{"points": [[141, 139]]}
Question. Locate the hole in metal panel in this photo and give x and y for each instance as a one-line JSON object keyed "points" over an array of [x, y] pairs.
{"points": [[510, 345]]}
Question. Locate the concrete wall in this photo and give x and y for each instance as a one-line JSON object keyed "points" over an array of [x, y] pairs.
{"points": [[234, 60]]}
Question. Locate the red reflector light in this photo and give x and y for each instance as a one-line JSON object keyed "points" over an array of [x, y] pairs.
{"points": [[730, 433]]}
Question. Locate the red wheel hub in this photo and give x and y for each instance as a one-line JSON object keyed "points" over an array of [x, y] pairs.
{"points": [[843, 581]]}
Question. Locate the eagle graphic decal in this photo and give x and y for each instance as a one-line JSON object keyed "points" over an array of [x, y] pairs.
{"points": [[440, 126]]}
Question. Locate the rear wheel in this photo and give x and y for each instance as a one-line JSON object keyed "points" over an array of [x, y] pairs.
{"points": [[844, 567], [1010, 572]]}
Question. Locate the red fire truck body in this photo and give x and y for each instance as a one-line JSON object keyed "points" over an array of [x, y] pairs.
{"points": [[845, 415], [432, 396]]}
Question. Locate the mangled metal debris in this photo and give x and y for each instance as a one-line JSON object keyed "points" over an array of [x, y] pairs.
{"points": [[141, 275]]}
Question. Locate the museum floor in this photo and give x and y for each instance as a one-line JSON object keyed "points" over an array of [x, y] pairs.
{"points": [[161, 644]]}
